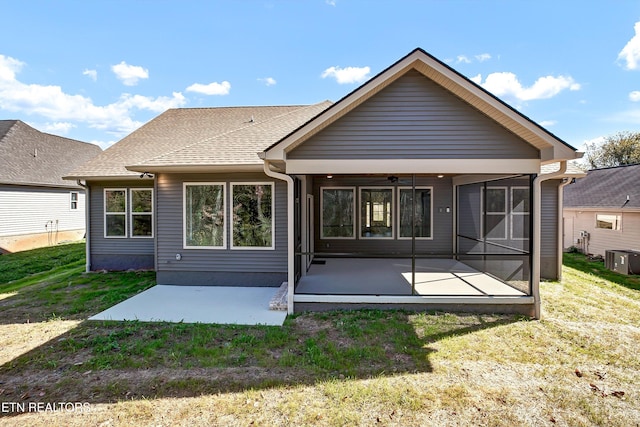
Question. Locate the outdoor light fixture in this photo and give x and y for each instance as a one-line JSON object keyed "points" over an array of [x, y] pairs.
{"points": [[393, 178], [440, 176], [147, 174], [329, 176]]}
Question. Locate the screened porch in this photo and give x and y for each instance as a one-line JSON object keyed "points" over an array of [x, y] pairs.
{"points": [[417, 235]]}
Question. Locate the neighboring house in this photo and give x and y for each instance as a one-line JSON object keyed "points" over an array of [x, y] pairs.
{"points": [[602, 211], [419, 169], [37, 207]]}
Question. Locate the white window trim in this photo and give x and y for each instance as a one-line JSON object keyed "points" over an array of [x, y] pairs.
{"points": [[355, 214], [393, 201], [132, 213], [105, 213], [273, 217], [430, 188], [618, 220], [71, 201], [514, 213], [184, 214], [506, 206]]}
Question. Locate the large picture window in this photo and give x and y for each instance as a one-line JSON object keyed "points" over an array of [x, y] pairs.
{"points": [[376, 213], [495, 213], [141, 212], [115, 213], [253, 219], [423, 212], [338, 219], [204, 215], [520, 214]]}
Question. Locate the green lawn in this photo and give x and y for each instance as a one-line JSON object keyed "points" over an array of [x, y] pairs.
{"points": [[579, 365]]}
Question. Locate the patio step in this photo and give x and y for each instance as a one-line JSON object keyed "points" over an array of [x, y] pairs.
{"points": [[279, 300]]}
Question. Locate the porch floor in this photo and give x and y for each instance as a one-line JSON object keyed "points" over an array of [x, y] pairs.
{"points": [[379, 276]]}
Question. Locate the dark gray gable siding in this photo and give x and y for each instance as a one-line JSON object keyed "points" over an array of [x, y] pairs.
{"points": [[414, 118], [224, 267], [116, 254]]}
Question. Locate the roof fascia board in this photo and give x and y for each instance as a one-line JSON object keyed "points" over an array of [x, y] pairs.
{"points": [[604, 209]]}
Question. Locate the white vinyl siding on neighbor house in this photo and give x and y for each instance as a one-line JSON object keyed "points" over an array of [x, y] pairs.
{"points": [[601, 239], [31, 210]]}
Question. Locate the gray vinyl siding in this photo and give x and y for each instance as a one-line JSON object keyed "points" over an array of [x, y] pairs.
{"points": [[226, 267], [414, 118], [116, 253], [549, 230], [441, 198], [31, 210]]}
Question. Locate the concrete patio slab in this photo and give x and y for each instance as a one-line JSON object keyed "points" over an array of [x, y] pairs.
{"points": [[199, 304]]}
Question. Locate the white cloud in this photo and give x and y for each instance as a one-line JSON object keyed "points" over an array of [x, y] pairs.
{"points": [[548, 123], [269, 81], [211, 89], [630, 54], [103, 144], [330, 2], [93, 74], [476, 79], [483, 57], [507, 84], [129, 74], [347, 75], [634, 96], [463, 59], [58, 128], [52, 103], [9, 67]]}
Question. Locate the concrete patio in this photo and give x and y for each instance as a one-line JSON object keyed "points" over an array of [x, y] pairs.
{"points": [[199, 304]]}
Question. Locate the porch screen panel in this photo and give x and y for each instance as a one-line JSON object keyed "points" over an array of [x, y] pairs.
{"points": [[422, 212], [494, 223], [376, 213], [204, 219], [338, 219]]}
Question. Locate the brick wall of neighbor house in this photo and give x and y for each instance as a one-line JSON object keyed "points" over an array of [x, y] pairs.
{"points": [[414, 118], [601, 240], [224, 267], [33, 217], [116, 253]]}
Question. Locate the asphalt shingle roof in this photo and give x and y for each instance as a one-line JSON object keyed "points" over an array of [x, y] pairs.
{"points": [[605, 188], [31, 157], [200, 136]]}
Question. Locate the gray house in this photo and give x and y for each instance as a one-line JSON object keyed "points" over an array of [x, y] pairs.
{"points": [[419, 189], [37, 207], [602, 210]]}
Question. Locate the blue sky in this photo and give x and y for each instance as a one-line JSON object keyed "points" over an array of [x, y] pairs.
{"points": [[97, 70]]}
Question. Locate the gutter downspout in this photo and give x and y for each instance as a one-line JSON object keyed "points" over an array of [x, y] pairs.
{"points": [[87, 221], [537, 226], [561, 226], [290, 231]]}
